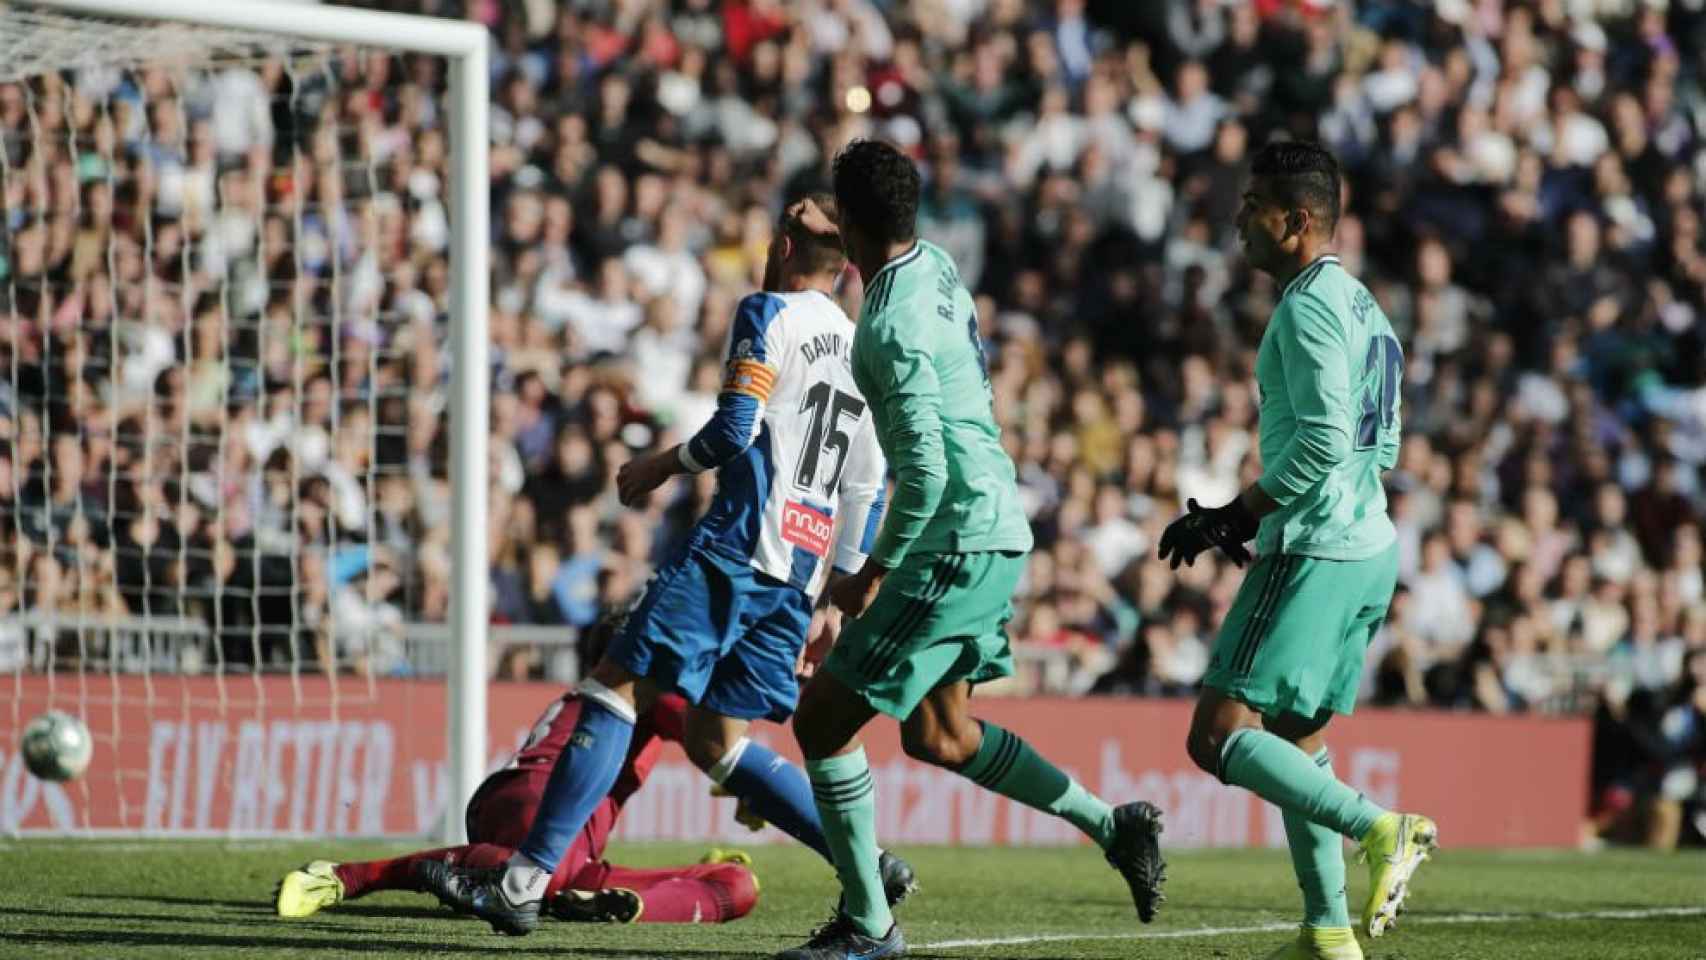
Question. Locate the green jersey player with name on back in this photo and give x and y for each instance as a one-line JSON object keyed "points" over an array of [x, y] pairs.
{"points": [[930, 606], [1290, 653]]}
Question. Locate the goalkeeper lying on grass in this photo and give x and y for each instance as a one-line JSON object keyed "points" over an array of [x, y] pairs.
{"points": [[585, 887]]}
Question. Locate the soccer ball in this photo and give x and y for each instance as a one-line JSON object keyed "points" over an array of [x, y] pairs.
{"points": [[57, 746]]}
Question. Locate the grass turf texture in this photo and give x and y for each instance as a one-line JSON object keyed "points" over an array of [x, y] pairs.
{"points": [[62, 898]]}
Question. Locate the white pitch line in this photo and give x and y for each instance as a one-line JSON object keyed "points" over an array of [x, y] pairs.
{"points": [[1071, 937], [1645, 914]]}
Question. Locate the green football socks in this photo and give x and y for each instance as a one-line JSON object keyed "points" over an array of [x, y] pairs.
{"points": [[846, 802], [1007, 765], [1275, 770], [1318, 857]]}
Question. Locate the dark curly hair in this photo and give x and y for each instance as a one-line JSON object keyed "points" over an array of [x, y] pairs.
{"points": [[876, 189], [1303, 176]]}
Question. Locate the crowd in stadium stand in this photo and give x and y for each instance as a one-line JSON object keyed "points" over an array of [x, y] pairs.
{"points": [[225, 302]]}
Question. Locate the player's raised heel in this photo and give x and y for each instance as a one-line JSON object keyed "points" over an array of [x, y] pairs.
{"points": [[899, 882], [305, 892], [839, 939], [1394, 849], [617, 905], [1321, 943], [517, 915], [1136, 854]]}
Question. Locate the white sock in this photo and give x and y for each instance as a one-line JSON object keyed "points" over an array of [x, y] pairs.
{"points": [[726, 766], [525, 881]]}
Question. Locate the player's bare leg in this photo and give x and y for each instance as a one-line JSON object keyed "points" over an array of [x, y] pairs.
{"points": [[942, 731], [1284, 760], [827, 726]]}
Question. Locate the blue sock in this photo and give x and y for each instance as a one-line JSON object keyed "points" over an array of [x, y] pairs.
{"points": [[582, 777], [779, 792]]}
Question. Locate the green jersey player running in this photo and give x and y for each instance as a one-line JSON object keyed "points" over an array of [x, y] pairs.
{"points": [[1290, 653], [930, 605]]}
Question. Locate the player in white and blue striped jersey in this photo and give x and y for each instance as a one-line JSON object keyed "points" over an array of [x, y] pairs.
{"points": [[724, 621]]}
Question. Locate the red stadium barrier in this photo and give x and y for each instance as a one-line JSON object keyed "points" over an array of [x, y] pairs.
{"points": [[197, 755]]}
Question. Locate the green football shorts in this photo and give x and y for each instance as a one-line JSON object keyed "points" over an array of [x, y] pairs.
{"points": [[1295, 637], [938, 619]]}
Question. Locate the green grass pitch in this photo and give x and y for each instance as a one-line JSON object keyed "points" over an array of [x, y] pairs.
{"points": [[63, 898]]}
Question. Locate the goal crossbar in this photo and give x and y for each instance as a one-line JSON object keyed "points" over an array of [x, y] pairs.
{"points": [[446, 38], [464, 46]]}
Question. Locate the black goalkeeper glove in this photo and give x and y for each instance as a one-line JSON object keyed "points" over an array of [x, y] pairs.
{"points": [[1225, 527]]}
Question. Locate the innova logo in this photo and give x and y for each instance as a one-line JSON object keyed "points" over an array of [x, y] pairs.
{"points": [[808, 527]]}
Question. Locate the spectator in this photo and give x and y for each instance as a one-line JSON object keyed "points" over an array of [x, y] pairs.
{"points": [[1442, 613], [1194, 110]]}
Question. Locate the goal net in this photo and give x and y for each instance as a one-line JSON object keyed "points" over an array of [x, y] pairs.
{"points": [[225, 285]]}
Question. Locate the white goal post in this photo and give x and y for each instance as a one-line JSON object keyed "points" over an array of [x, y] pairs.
{"points": [[464, 46]]}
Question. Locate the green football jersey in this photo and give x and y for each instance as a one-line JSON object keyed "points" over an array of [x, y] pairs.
{"points": [[919, 362], [1329, 370]]}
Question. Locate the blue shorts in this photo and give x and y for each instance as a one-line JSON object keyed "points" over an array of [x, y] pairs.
{"points": [[718, 632]]}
